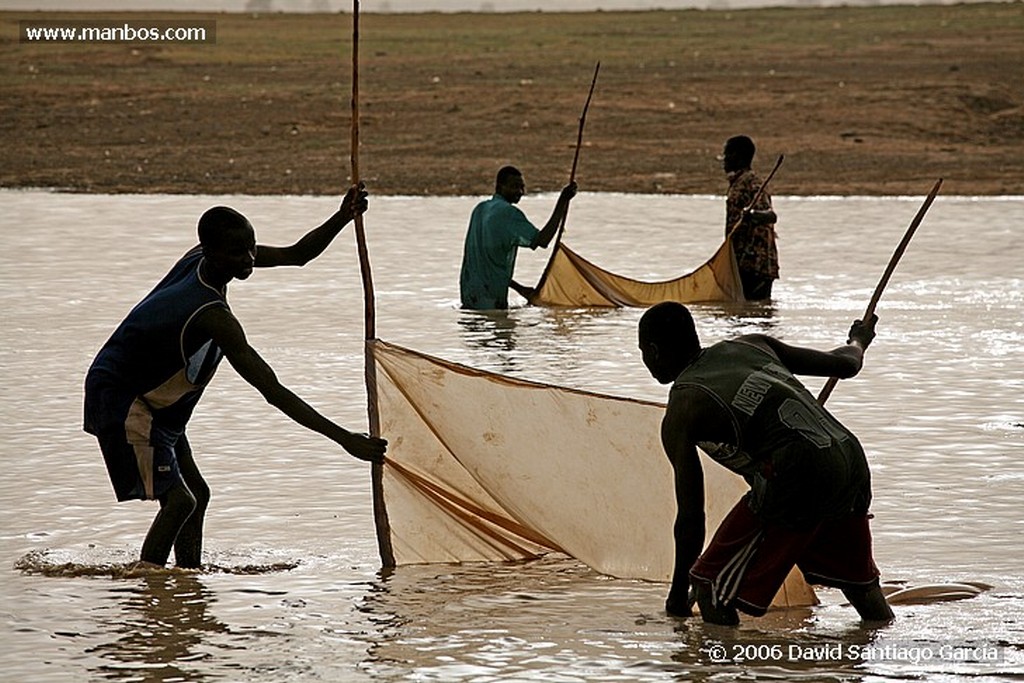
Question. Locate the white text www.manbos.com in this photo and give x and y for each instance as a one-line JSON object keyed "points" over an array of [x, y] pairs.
{"points": [[117, 32]]}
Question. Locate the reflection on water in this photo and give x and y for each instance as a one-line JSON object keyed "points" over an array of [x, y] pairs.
{"points": [[938, 407], [523, 340], [750, 317], [422, 615], [493, 332], [477, 622], [161, 630]]}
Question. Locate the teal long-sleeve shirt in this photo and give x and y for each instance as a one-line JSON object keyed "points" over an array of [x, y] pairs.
{"points": [[496, 231]]}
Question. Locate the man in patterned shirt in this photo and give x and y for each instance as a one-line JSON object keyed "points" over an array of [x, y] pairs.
{"points": [[754, 240]]}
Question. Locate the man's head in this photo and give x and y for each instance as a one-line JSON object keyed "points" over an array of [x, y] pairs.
{"points": [[510, 184], [738, 153], [668, 340], [228, 241]]}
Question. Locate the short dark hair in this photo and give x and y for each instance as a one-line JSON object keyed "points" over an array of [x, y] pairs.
{"points": [[669, 325], [743, 147], [216, 222], [504, 173]]}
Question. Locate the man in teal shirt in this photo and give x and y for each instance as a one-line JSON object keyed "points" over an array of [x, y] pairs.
{"points": [[497, 229]]}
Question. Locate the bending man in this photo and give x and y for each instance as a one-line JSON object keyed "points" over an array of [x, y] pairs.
{"points": [[810, 487], [146, 380]]}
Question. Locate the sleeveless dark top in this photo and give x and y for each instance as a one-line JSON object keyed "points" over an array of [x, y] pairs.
{"points": [[802, 464], [153, 355]]}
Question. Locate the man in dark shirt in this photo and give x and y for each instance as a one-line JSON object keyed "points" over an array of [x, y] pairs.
{"points": [[144, 383]]}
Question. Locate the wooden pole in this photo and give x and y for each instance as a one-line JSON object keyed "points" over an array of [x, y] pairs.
{"points": [[826, 391], [579, 143], [583, 121], [526, 292], [380, 515]]}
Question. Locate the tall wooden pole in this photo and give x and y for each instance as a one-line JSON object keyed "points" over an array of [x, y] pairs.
{"points": [[526, 292], [583, 122], [579, 143], [826, 390], [380, 515]]}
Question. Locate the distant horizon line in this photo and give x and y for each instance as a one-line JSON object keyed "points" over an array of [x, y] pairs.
{"points": [[437, 6]]}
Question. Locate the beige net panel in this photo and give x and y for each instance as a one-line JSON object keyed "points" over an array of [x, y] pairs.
{"points": [[571, 280], [486, 467]]}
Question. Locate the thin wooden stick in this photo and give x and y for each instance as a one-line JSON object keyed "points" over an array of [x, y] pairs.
{"points": [[826, 391], [583, 121], [576, 155], [364, 257], [526, 292], [380, 516]]}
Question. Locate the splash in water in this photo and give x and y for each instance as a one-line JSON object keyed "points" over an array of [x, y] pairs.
{"points": [[51, 563]]}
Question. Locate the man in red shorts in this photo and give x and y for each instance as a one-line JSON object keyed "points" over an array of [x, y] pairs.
{"points": [[810, 487]]}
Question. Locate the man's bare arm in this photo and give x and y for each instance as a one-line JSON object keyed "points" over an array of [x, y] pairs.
{"points": [[314, 242], [842, 362], [547, 233], [227, 333], [677, 439]]}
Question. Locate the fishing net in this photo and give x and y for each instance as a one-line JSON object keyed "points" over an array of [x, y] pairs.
{"points": [[571, 280], [485, 467]]}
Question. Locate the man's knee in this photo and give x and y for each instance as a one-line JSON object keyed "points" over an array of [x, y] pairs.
{"points": [[180, 501], [201, 493]]}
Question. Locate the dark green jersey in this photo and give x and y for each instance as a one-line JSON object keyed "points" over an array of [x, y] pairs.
{"points": [[802, 464]]}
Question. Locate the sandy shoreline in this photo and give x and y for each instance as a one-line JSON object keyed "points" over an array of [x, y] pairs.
{"points": [[873, 101]]}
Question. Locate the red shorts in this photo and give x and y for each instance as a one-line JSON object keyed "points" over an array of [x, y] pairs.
{"points": [[748, 559]]}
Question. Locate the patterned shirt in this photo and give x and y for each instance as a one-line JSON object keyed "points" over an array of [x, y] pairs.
{"points": [[754, 244]]}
